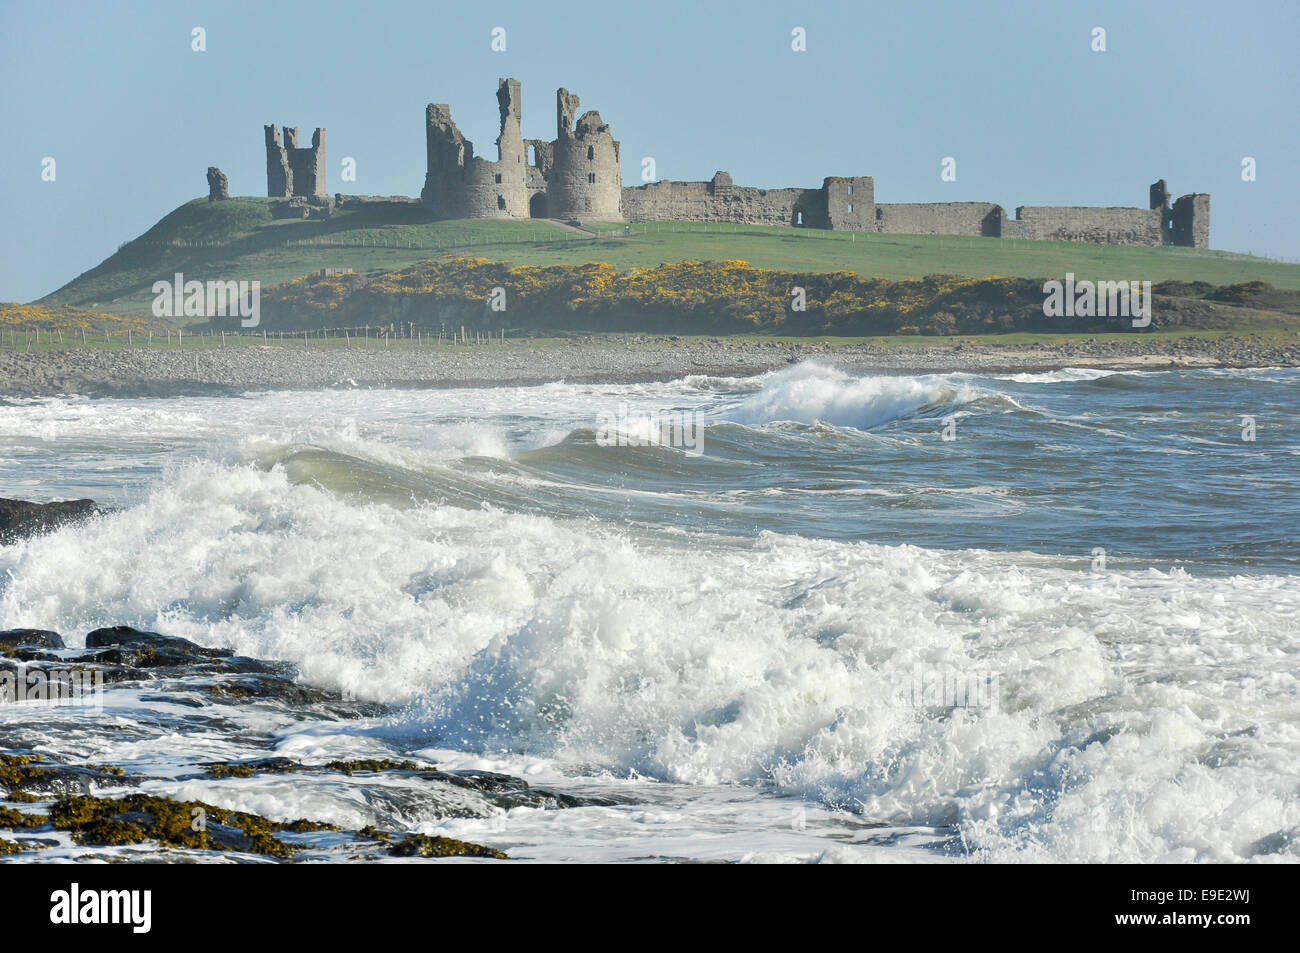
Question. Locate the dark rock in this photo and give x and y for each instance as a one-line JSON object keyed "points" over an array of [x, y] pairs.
{"points": [[95, 821], [42, 637], [218, 185], [250, 767], [243, 665], [19, 518], [507, 792], [125, 635], [33, 775], [126, 653], [24, 651], [422, 845], [258, 689], [175, 698]]}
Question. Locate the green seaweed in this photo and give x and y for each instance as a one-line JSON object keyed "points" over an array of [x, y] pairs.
{"points": [[138, 817], [376, 764], [305, 826], [16, 768], [423, 845]]}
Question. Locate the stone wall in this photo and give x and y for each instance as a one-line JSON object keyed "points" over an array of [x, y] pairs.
{"points": [[459, 184], [577, 176], [277, 166], [218, 185], [511, 174], [302, 206], [293, 171], [940, 218], [378, 202], [1114, 226], [584, 181], [850, 203], [1190, 224], [718, 200]]}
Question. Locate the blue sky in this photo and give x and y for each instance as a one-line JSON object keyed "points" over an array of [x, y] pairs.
{"points": [[1013, 91]]}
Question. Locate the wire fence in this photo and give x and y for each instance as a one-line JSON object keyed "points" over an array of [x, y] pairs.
{"points": [[405, 333]]}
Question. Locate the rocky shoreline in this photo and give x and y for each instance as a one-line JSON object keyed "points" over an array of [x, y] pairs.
{"points": [[168, 372], [90, 810], [94, 811]]}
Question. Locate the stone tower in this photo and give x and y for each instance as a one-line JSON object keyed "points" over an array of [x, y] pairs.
{"points": [[459, 184], [850, 202], [1191, 221], [585, 181], [292, 171]]}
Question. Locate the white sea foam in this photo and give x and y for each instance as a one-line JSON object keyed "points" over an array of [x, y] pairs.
{"points": [[1139, 715], [810, 392], [1066, 375]]}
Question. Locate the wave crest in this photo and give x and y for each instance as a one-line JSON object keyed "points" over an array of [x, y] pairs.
{"points": [[810, 393]]}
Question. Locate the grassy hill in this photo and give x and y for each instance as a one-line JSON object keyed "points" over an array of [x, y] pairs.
{"points": [[239, 239]]}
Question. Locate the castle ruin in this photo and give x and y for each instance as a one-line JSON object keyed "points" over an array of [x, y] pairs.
{"points": [[291, 171], [577, 176]]}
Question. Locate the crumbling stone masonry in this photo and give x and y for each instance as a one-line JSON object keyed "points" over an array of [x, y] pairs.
{"points": [[291, 171], [574, 176], [577, 176], [218, 185]]}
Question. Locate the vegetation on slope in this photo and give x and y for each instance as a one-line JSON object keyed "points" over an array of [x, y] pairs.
{"points": [[240, 240], [23, 318], [729, 296]]}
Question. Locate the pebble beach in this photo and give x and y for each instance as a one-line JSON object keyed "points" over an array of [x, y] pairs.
{"points": [[145, 371]]}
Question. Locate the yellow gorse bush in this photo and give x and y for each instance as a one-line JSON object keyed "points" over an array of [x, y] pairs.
{"points": [[691, 295], [34, 317]]}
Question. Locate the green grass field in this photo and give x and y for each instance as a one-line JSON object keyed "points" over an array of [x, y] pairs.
{"points": [[238, 239]]}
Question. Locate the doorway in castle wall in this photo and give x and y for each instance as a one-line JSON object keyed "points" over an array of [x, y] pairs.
{"points": [[537, 206]]}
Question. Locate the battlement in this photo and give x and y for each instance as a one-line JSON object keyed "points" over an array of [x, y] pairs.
{"points": [[291, 171]]}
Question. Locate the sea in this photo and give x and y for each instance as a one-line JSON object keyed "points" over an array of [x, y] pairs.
{"points": [[816, 615]]}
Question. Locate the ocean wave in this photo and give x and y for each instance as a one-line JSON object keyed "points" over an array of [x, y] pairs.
{"points": [[574, 642], [809, 393], [1065, 375]]}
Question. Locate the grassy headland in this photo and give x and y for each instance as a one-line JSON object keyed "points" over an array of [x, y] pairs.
{"points": [[239, 239]]}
